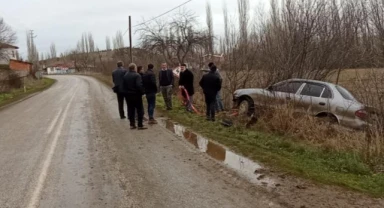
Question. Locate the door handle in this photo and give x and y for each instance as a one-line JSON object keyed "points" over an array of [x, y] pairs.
{"points": [[321, 103]]}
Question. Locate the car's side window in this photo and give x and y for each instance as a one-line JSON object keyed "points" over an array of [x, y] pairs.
{"points": [[288, 87], [327, 93], [312, 90]]}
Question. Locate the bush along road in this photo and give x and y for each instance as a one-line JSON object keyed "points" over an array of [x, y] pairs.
{"points": [[31, 87]]}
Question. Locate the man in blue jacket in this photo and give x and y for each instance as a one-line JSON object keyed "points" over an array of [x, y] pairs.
{"points": [[117, 76]]}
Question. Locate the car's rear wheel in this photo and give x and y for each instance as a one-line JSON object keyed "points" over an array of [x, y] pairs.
{"points": [[328, 118]]}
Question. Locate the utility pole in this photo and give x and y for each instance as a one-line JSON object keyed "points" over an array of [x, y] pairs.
{"points": [[32, 51], [130, 38]]}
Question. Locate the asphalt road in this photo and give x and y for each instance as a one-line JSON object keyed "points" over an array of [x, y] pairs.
{"points": [[67, 147]]}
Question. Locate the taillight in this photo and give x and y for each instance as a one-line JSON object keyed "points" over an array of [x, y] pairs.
{"points": [[362, 114]]}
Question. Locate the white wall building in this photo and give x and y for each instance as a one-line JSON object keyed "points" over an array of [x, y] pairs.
{"points": [[7, 52], [60, 70]]}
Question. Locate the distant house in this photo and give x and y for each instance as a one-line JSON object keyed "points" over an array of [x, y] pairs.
{"points": [[8, 56], [61, 69]]}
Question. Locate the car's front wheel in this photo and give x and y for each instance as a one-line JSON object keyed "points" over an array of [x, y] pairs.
{"points": [[245, 107]]}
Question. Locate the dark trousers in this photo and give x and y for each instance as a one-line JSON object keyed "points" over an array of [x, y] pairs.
{"points": [[120, 100], [210, 102], [151, 99], [135, 105], [167, 95]]}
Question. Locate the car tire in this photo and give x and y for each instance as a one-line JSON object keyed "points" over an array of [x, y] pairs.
{"points": [[245, 108], [331, 119]]}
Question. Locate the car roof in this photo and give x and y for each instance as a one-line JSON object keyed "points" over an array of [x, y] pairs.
{"points": [[310, 80]]}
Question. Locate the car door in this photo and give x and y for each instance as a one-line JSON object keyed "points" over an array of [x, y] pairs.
{"points": [[314, 98], [284, 92]]}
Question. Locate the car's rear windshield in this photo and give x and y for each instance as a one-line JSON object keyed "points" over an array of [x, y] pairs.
{"points": [[345, 93]]}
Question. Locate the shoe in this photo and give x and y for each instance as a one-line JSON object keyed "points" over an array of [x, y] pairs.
{"points": [[208, 119], [142, 128], [133, 127], [168, 109], [152, 121], [123, 117], [213, 120]]}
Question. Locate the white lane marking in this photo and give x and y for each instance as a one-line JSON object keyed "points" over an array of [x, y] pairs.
{"points": [[35, 199], [53, 123]]}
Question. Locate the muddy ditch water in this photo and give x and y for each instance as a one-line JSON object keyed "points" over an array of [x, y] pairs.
{"points": [[245, 167]]}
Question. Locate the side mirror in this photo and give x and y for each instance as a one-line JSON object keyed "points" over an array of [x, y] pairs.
{"points": [[270, 88]]}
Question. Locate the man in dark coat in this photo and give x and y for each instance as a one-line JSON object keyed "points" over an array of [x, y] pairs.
{"points": [[150, 86], [219, 102], [211, 85], [134, 90], [117, 76], [186, 82], [140, 70], [166, 82]]}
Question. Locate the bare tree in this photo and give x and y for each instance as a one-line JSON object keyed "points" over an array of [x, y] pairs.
{"points": [[53, 50], [210, 28], [108, 43], [91, 43], [7, 36], [118, 42], [176, 40], [226, 28], [33, 54], [42, 56], [243, 7]]}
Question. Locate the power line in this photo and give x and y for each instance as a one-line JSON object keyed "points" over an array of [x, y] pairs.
{"points": [[160, 15]]}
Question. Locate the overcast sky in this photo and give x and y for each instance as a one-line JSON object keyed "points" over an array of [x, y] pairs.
{"points": [[63, 21]]}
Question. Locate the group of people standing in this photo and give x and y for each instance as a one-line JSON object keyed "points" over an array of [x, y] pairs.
{"points": [[130, 85]]}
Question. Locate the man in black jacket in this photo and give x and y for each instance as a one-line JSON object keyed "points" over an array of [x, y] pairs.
{"points": [[186, 82], [150, 86], [117, 76], [134, 90], [166, 81], [211, 85]]}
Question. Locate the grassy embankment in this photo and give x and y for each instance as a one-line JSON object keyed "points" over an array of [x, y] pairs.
{"points": [[327, 166], [31, 87]]}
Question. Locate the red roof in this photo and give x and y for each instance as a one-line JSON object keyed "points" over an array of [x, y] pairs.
{"points": [[4, 45]]}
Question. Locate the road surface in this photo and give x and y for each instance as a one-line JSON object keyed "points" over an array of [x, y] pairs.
{"points": [[67, 147]]}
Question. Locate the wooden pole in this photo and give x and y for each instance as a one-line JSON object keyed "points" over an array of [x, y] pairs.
{"points": [[130, 39], [338, 76]]}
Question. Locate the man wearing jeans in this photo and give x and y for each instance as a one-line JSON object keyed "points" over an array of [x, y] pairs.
{"points": [[166, 80], [150, 86]]}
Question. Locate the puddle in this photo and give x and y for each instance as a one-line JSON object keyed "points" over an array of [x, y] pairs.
{"points": [[243, 166]]}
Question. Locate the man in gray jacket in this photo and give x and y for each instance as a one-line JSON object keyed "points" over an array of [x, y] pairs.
{"points": [[117, 76]]}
